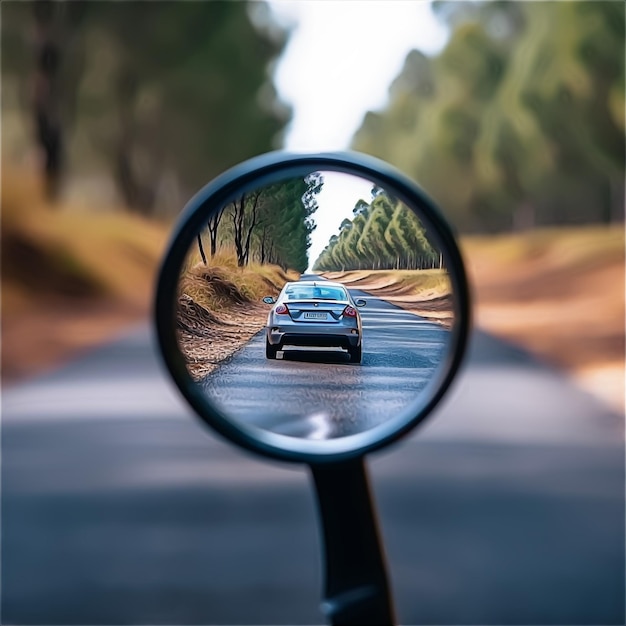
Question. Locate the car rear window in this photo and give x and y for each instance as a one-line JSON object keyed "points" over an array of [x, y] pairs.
{"points": [[315, 293]]}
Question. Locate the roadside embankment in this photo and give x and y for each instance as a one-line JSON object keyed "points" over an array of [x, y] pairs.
{"points": [[220, 309], [424, 292], [72, 277], [558, 292]]}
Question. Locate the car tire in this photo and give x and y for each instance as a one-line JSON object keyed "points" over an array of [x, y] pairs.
{"points": [[355, 354], [270, 350]]}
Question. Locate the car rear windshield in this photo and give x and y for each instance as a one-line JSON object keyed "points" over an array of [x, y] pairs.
{"points": [[315, 293]]}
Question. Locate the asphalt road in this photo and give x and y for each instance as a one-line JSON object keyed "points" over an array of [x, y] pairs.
{"points": [[118, 507], [319, 394]]}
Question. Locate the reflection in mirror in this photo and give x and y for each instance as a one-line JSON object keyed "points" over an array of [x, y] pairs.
{"points": [[317, 307]]}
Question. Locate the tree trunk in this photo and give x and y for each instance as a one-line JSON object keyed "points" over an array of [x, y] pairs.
{"points": [[263, 245], [46, 107], [201, 248], [213, 225], [237, 217], [246, 251], [136, 184]]}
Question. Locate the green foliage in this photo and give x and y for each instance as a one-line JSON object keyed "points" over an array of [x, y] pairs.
{"points": [[159, 95], [287, 222], [519, 120], [272, 224], [384, 234]]}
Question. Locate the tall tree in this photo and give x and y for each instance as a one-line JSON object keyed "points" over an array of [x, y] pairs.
{"points": [[386, 235], [156, 103], [46, 86], [518, 120], [272, 224], [213, 226], [244, 215]]}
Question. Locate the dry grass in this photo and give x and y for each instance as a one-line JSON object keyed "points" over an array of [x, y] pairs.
{"points": [[71, 277], [423, 283], [559, 293], [569, 248], [423, 292], [220, 307], [221, 284], [69, 251]]}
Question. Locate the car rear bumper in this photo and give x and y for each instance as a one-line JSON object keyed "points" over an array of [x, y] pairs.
{"points": [[314, 336]]}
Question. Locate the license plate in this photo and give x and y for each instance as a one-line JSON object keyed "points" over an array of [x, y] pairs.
{"points": [[315, 316]]}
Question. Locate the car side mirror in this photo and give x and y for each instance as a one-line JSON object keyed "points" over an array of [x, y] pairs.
{"points": [[320, 413]]}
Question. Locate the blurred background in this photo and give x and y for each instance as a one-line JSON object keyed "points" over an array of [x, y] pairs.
{"points": [[509, 114]]}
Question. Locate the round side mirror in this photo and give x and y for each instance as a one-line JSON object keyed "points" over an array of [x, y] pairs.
{"points": [[312, 380]]}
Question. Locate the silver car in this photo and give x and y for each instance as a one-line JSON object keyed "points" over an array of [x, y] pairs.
{"points": [[314, 313]]}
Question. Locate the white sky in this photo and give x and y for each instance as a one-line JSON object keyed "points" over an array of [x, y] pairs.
{"points": [[339, 194], [340, 60]]}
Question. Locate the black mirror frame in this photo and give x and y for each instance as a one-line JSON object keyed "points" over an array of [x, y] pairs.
{"points": [[265, 170]]}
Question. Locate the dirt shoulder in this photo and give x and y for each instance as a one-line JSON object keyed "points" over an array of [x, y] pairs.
{"points": [[40, 339], [220, 309], [206, 341], [72, 280], [428, 297], [559, 293]]}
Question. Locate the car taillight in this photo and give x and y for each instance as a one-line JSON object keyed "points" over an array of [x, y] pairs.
{"points": [[349, 311], [281, 309]]}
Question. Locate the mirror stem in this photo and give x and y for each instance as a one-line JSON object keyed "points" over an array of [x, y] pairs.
{"points": [[356, 588]]}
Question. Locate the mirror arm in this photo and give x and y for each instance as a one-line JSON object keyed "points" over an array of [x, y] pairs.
{"points": [[356, 587]]}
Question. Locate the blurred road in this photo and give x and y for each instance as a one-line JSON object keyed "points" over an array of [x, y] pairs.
{"points": [[319, 394], [118, 508]]}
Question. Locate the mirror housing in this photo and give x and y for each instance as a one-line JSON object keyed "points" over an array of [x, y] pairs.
{"points": [[360, 302], [216, 408], [269, 300]]}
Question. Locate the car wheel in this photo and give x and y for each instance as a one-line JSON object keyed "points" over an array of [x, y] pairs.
{"points": [[355, 354], [270, 350]]}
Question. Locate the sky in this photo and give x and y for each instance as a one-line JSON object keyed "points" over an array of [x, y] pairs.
{"points": [[340, 60]]}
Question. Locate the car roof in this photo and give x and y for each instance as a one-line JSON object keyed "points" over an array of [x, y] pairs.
{"points": [[318, 283]]}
